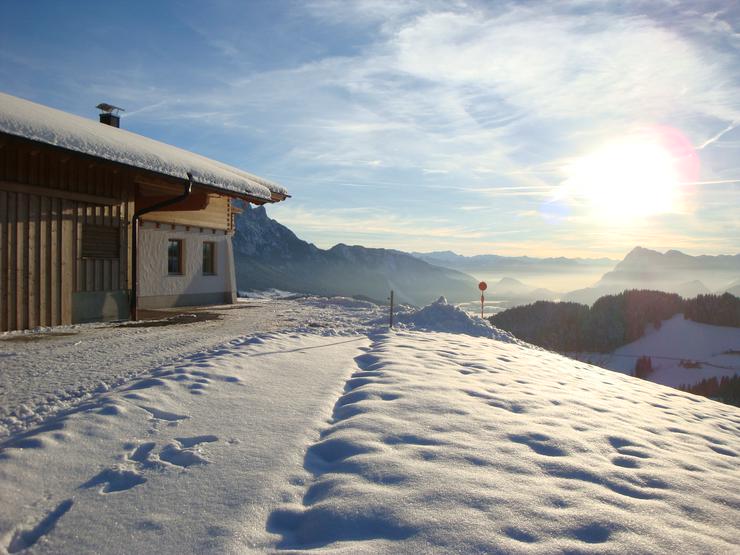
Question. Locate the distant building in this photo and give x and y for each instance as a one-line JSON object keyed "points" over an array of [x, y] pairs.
{"points": [[71, 190]]}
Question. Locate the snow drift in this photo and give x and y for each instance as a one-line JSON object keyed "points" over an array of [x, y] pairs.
{"points": [[442, 316], [454, 444]]}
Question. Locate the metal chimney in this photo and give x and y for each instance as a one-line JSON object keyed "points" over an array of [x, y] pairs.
{"points": [[109, 114]]}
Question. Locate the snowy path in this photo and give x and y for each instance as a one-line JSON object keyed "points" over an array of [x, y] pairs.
{"points": [[189, 459], [41, 374]]}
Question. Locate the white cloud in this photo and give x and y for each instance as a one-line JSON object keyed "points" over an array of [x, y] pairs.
{"points": [[452, 105], [565, 66]]}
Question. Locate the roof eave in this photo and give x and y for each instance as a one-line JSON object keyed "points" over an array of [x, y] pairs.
{"points": [[275, 196]]}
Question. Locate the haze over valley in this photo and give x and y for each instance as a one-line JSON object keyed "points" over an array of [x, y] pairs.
{"points": [[270, 255]]}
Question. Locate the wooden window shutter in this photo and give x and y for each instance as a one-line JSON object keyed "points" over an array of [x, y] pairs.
{"points": [[100, 241]]}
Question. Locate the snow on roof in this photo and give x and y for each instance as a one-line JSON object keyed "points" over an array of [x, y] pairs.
{"points": [[40, 123]]}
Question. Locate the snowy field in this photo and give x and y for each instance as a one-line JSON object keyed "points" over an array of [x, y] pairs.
{"points": [[337, 435], [716, 348]]}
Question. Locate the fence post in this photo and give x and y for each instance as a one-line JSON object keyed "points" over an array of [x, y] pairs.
{"points": [[391, 313]]}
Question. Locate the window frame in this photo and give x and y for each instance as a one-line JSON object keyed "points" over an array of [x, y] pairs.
{"points": [[180, 259], [213, 271]]}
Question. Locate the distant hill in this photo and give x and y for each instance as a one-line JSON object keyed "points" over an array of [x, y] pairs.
{"points": [[269, 255], [613, 320], [733, 288], [672, 271], [513, 289], [677, 339]]}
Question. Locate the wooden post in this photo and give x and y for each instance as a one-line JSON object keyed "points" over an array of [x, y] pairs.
{"points": [[391, 313]]}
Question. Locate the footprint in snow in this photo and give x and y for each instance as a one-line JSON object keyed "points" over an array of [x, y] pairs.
{"points": [[163, 414], [23, 538], [181, 452], [114, 480], [174, 454], [142, 452], [537, 443]]}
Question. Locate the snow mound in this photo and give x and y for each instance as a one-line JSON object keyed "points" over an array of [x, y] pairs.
{"points": [[443, 317], [447, 443]]}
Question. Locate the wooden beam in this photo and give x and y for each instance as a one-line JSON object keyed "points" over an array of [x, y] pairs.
{"points": [[196, 201], [160, 182], [156, 181], [32, 267], [12, 267], [45, 258], [55, 261], [22, 262], [3, 261], [68, 263], [57, 193]]}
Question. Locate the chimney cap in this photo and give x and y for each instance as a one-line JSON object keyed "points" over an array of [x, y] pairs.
{"points": [[109, 108]]}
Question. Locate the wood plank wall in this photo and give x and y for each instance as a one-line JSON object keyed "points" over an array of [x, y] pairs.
{"points": [[41, 234]]}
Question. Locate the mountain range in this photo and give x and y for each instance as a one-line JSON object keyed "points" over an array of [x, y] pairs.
{"points": [[269, 255], [497, 264], [672, 271]]}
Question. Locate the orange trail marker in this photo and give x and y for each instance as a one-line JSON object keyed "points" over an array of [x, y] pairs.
{"points": [[482, 286]]}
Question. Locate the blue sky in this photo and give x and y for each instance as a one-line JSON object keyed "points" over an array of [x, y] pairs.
{"points": [[424, 125]]}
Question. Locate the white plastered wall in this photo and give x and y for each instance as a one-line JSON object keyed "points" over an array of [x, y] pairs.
{"points": [[159, 289]]}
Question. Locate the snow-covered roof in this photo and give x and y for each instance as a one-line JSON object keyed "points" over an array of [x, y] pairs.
{"points": [[36, 122]]}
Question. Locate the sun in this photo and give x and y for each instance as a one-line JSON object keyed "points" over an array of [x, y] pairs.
{"points": [[637, 176]]}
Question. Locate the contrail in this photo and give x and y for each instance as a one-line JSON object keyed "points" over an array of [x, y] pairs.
{"points": [[708, 142], [711, 182]]}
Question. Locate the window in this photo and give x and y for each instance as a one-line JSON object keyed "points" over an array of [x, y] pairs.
{"points": [[209, 258], [174, 257]]}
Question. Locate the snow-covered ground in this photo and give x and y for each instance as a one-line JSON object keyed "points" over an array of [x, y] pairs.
{"points": [[451, 443], [715, 348], [43, 373], [344, 437], [188, 459], [270, 294]]}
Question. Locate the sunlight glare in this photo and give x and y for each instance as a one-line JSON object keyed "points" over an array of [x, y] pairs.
{"points": [[638, 176]]}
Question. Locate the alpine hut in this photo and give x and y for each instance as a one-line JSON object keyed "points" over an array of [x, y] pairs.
{"points": [[97, 222]]}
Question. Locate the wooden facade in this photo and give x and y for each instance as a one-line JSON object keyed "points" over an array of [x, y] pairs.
{"points": [[48, 198], [51, 201]]}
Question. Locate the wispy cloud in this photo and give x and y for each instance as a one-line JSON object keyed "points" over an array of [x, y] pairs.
{"points": [[454, 119], [361, 223]]}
